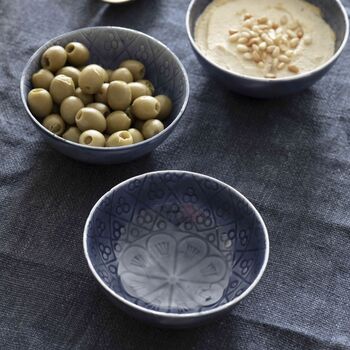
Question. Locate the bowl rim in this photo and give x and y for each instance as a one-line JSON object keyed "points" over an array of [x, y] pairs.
{"points": [[329, 62], [105, 149], [172, 315]]}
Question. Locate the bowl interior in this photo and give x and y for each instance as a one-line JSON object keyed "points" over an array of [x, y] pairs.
{"points": [[176, 242], [111, 45], [331, 11]]}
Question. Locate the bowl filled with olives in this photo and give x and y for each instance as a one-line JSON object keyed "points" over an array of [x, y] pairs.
{"points": [[104, 95]]}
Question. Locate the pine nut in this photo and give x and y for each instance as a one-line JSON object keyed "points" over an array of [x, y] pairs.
{"points": [[248, 23], [262, 20], [275, 25], [293, 69], [289, 53], [256, 28], [233, 38], [262, 46], [253, 41], [263, 26], [233, 31], [261, 64], [266, 38], [243, 40], [245, 35], [276, 52], [275, 62], [294, 43], [247, 16], [256, 57], [281, 66], [307, 40], [270, 48], [242, 48], [284, 59], [255, 47], [300, 33], [270, 75], [278, 39]]}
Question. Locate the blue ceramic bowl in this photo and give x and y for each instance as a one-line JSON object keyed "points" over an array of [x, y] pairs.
{"points": [[108, 47], [334, 13], [175, 248]]}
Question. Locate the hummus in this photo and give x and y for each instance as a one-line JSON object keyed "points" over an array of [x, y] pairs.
{"points": [[283, 38]]}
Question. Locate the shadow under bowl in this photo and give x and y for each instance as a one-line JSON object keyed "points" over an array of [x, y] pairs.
{"points": [[334, 14], [174, 248], [108, 47]]}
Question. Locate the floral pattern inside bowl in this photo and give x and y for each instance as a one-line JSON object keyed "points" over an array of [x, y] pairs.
{"points": [[176, 242]]}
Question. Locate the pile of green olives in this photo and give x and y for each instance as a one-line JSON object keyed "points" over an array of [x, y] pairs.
{"points": [[93, 106]]}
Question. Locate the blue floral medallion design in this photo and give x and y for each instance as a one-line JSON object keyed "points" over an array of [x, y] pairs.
{"points": [[176, 242]]}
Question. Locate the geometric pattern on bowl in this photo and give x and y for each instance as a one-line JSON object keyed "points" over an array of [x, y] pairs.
{"points": [[176, 242]]}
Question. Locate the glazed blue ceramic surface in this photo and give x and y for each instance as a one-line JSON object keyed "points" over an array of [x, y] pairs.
{"points": [[175, 248], [333, 12], [108, 47]]}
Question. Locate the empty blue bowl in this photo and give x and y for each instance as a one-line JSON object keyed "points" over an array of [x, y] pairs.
{"points": [[175, 248], [108, 47], [335, 15]]}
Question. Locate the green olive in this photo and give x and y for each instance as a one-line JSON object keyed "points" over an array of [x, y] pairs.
{"points": [[119, 95], [101, 95], [91, 79], [136, 68], [42, 79], [119, 138], [90, 118], [146, 107], [165, 106], [54, 123], [101, 107], [54, 58], [72, 72], [61, 87], [92, 138], [105, 76], [136, 135], [72, 134], [138, 90], [40, 102], [117, 121], [151, 128], [86, 98], [122, 74], [138, 124], [148, 84], [69, 108], [77, 54]]}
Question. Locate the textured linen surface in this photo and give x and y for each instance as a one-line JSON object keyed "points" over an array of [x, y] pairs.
{"points": [[289, 156]]}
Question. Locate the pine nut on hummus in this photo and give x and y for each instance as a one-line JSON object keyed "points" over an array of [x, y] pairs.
{"points": [[265, 38]]}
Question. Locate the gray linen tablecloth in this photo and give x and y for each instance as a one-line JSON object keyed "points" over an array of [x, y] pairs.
{"points": [[289, 156]]}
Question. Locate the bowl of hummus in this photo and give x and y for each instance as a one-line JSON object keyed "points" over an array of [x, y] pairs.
{"points": [[267, 48]]}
